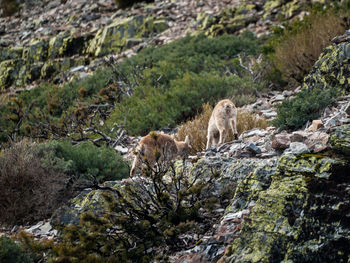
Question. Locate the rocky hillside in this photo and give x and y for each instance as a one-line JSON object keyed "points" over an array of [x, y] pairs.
{"points": [[55, 40], [279, 193]]}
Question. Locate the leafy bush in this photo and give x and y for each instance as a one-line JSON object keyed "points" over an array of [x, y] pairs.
{"points": [[10, 252], [29, 192], [306, 106], [297, 47], [83, 161], [197, 128]]}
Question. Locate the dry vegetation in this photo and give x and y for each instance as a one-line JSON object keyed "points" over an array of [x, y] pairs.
{"points": [[298, 52], [196, 129], [28, 192]]}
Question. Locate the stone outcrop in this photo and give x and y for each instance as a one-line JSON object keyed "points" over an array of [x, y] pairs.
{"points": [[254, 15], [292, 207], [332, 67]]}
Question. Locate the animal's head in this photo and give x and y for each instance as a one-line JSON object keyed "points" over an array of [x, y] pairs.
{"points": [[229, 107], [183, 147]]}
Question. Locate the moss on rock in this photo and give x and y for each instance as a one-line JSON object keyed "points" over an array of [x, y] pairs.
{"points": [[36, 51], [332, 69], [340, 140], [299, 216], [113, 38], [8, 72]]}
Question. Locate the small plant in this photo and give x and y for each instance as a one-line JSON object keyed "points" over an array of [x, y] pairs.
{"points": [[196, 129], [247, 121], [294, 113], [10, 252]]}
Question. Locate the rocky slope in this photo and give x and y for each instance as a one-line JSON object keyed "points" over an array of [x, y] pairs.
{"points": [[291, 190], [56, 40]]}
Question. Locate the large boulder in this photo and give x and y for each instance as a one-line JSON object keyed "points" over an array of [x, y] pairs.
{"points": [[36, 51], [332, 69], [8, 72], [340, 140], [114, 37], [303, 216]]}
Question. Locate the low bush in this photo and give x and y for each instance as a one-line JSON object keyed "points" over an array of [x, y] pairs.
{"points": [[197, 128], [297, 47], [83, 161], [29, 192], [158, 109], [294, 113], [10, 252]]}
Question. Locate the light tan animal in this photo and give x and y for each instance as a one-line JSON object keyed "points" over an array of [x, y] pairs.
{"points": [[223, 118], [160, 148]]}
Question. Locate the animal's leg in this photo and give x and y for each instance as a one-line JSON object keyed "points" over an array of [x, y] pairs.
{"points": [[209, 139], [222, 131], [233, 124], [136, 163]]}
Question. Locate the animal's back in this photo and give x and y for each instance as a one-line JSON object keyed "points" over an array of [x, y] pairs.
{"points": [[155, 142]]}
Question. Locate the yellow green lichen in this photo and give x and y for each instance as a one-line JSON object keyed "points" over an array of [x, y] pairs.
{"points": [[113, 37]]}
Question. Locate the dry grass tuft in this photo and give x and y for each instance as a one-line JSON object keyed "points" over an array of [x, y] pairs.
{"points": [[298, 52], [197, 128], [248, 121]]}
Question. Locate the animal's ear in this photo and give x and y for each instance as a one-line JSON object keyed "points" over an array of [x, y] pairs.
{"points": [[173, 136], [187, 140]]}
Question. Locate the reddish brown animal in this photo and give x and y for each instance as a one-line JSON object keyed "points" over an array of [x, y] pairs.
{"points": [[223, 118], [158, 148]]}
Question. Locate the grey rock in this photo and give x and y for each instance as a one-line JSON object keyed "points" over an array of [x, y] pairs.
{"points": [[250, 146], [297, 148]]}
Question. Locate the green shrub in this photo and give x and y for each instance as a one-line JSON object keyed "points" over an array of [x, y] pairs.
{"points": [[308, 104], [83, 161], [296, 48], [10, 252], [157, 108], [29, 192]]}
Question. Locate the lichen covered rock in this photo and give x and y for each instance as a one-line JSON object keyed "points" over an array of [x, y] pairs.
{"points": [[303, 216], [332, 69], [113, 38], [227, 21], [340, 140], [36, 51], [68, 43], [8, 72]]}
